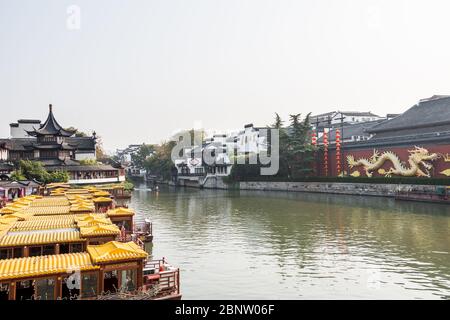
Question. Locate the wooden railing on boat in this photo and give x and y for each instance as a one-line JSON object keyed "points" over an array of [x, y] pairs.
{"points": [[167, 281]]}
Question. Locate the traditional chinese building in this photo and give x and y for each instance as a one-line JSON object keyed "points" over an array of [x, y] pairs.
{"points": [[58, 149], [415, 143]]}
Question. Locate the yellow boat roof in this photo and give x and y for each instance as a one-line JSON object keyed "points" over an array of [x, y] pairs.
{"points": [[46, 224], [102, 199], [53, 217], [44, 211], [102, 194], [35, 238], [77, 191], [8, 210], [120, 212], [92, 220], [99, 230], [20, 215], [17, 205], [50, 202], [7, 219], [116, 251], [45, 265]]}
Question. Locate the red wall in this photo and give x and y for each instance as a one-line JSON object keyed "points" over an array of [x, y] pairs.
{"points": [[402, 152]]}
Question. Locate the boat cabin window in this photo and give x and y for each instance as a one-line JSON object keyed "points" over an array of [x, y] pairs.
{"points": [[71, 286], [24, 290], [11, 253], [125, 223], [45, 289], [35, 251], [49, 250], [4, 291], [76, 247], [17, 252], [128, 280], [4, 254], [64, 248], [110, 281], [89, 282]]}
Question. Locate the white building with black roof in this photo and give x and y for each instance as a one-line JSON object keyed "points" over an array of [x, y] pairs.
{"points": [[58, 149], [336, 118]]}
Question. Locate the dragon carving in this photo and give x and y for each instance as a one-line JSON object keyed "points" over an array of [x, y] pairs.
{"points": [[419, 163]]}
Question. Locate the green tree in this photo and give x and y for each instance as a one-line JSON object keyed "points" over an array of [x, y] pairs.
{"points": [[77, 132], [144, 151], [58, 176], [99, 150], [296, 154], [283, 146], [160, 163], [300, 152], [18, 175], [34, 170]]}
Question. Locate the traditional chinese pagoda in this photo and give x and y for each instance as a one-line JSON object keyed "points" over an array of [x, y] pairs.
{"points": [[58, 149]]}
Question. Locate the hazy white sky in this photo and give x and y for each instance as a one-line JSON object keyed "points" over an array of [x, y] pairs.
{"points": [[136, 71]]}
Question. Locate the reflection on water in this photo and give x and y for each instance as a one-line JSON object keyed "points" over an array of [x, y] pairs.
{"points": [[276, 245]]}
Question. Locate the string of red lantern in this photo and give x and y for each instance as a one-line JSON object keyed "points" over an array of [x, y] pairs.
{"points": [[325, 152], [314, 143], [313, 138], [338, 151]]}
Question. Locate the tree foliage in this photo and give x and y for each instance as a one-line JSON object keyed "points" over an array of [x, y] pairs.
{"points": [[88, 162], [34, 170], [99, 150], [300, 152], [296, 154], [143, 153], [160, 163], [77, 132]]}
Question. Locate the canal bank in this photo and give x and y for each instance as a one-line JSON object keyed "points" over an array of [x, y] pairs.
{"points": [[366, 189]]}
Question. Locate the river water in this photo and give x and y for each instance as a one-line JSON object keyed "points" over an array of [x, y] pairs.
{"points": [[276, 245]]}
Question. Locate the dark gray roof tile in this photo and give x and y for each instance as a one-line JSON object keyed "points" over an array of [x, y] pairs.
{"points": [[427, 113]]}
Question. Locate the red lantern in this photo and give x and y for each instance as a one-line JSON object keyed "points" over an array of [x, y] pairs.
{"points": [[338, 151], [325, 152], [313, 138]]}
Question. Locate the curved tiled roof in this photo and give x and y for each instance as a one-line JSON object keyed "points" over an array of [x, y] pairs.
{"points": [[120, 212], [427, 113], [116, 251], [45, 265], [54, 201], [35, 238], [99, 230], [51, 127], [102, 199], [45, 224], [48, 210]]}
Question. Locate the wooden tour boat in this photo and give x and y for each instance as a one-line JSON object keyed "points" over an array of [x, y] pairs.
{"points": [[75, 244]]}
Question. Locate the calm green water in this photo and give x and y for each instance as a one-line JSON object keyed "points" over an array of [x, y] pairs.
{"points": [[272, 245]]}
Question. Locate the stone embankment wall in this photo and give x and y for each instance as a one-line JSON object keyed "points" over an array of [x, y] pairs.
{"points": [[385, 190]]}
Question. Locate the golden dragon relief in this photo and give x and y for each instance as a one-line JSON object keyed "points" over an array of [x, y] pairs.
{"points": [[419, 163]]}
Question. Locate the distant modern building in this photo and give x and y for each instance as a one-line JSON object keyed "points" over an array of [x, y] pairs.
{"points": [[58, 149], [335, 118]]}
